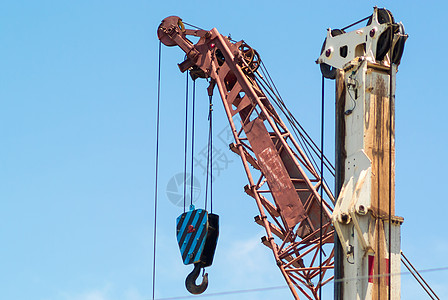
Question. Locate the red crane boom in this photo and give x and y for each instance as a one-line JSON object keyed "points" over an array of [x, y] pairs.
{"points": [[282, 180]]}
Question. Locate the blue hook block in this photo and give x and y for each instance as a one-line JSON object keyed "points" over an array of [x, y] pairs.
{"points": [[197, 235]]}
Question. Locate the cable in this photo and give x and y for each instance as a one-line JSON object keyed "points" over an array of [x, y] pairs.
{"points": [[208, 158], [355, 89], [391, 100], [192, 25], [192, 144], [391, 274], [357, 22], [209, 170], [304, 140], [321, 186], [290, 117], [156, 175], [185, 141], [419, 279], [211, 153]]}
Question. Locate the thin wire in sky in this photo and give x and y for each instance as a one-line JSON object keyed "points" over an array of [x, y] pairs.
{"points": [[264, 289], [156, 178]]}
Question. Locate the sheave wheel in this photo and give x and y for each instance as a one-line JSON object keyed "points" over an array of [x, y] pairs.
{"points": [[383, 44], [327, 70], [398, 48]]}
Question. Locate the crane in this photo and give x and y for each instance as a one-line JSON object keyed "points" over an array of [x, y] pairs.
{"points": [[294, 202], [282, 180]]}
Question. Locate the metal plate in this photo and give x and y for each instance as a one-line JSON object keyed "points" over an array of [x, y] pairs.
{"points": [[277, 176], [192, 230]]}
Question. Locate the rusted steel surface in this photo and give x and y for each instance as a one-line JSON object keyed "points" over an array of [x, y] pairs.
{"points": [[278, 179], [378, 129], [249, 158]]}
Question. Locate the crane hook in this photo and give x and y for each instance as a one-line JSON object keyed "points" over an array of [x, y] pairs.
{"points": [[190, 281]]}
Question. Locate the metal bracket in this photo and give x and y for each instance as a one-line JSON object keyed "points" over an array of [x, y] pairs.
{"points": [[340, 50], [353, 202]]}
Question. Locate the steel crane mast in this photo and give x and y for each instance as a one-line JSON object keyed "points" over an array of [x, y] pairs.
{"points": [[364, 63], [282, 180]]}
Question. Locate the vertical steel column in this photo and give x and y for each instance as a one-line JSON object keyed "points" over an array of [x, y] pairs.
{"points": [[340, 156], [368, 230]]}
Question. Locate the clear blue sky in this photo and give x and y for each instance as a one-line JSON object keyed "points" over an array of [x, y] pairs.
{"points": [[78, 90]]}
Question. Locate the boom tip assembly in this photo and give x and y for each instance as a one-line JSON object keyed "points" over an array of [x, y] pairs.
{"points": [[374, 42]]}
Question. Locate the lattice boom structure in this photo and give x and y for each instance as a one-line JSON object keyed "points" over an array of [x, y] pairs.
{"points": [[282, 180]]}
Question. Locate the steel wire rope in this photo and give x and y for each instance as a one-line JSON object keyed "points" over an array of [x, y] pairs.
{"points": [[192, 144], [199, 28], [281, 105], [207, 168], [300, 137], [211, 153], [306, 145], [417, 276], [278, 99], [297, 132], [321, 169], [321, 185], [293, 121], [418, 279], [391, 101], [156, 174], [309, 141], [209, 158], [303, 141], [357, 22], [192, 25], [439, 269], [185, 140]]}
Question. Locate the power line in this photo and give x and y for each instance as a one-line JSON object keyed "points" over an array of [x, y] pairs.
{"points": [[418, 277], [224, 293]]}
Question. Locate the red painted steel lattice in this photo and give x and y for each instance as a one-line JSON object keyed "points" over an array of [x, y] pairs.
{"points": [[282, 180]]}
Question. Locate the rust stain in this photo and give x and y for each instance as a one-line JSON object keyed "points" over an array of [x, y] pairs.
{"points": [[381, 95], [378, 144], [279, 182]]}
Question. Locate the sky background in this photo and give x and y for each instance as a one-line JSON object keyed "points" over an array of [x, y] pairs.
{"points": [[78, 100]]}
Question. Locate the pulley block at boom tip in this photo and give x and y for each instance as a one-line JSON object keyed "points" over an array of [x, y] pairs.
{"points": [[197, 236], [380, 41], [167, 28], [172, 32]]}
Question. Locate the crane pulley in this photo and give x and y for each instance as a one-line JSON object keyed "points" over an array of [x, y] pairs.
{"points": [[372, 42]]}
